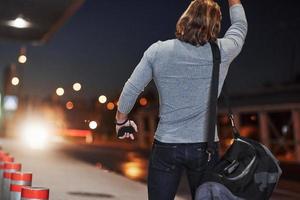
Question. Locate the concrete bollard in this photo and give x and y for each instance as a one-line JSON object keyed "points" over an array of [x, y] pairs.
{"points": [[18, 180], [9, 168], [4, 157], [2, 154], [34, 193]]}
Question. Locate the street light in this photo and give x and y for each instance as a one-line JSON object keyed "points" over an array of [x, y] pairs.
{"points": [[22, 56], [60, 91], [19, 22], [77, 87], [143, 101], [93, 125], [102, 99], [69, 105], [110, 106], [15, 81], [22, 59]]}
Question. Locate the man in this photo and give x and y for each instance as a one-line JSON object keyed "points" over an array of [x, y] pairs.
{"points": [[181, 69]]}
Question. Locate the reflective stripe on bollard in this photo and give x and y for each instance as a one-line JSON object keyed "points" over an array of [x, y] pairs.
{"points": [[4, 157], [18, 180], [34, 193], [9, 168]]}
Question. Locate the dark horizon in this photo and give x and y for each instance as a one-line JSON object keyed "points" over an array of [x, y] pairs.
{"points": [[101, 45]]}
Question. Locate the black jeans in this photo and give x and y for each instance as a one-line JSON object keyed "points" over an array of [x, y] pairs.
{"points": [[167, 163]]}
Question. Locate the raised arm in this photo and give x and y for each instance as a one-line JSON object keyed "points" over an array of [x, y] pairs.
{"points": [[234, 38]]}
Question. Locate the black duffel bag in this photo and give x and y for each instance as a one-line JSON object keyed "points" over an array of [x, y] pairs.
{"points": [[248, 170]]}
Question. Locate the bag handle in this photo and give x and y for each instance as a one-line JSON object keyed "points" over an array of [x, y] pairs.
{"points": [[235, 131]]}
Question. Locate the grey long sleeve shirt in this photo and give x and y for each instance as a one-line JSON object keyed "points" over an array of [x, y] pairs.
{"points": [[182, 74]]}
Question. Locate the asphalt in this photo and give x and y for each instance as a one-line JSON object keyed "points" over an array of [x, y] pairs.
{"points": [[72, 179]]}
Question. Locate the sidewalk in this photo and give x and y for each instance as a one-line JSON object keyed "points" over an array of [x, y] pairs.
{"points": [[71, 179]]}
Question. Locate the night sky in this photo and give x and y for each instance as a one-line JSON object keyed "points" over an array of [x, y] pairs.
{"points": [[103, 42]]}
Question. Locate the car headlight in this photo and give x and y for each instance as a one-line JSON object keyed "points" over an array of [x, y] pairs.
{"points": [[35, 133]]}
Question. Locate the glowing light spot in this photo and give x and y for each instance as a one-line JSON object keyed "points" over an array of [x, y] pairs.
{"points": [[69, 105], [19, 22], [133, 170], [36, 133], [143, 102], [102, 99], [60, 91], [15, 81], [93, 125], [110, 106], [253, 118], [77, 87], [10, 103], [22, 59]]}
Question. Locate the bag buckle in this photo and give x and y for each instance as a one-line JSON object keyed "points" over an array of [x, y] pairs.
{"points": [[209, 153]]}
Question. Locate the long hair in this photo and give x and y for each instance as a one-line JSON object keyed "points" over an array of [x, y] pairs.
{"points": [[200, 23]]}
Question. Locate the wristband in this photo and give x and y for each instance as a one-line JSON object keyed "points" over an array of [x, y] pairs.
{"points": [[122, 123]]}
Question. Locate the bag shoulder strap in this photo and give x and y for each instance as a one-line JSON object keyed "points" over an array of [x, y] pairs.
{"points": [[213, 96]]}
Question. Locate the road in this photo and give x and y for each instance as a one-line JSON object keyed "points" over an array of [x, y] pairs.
{"points": [[86, 172], [69, 178], [133, 164]]}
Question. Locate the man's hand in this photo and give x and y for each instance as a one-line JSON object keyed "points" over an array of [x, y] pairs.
{"points": [[126, 130], [233, 2]]}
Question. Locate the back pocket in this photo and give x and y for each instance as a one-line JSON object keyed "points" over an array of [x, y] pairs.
{"points": [[163, 157]]}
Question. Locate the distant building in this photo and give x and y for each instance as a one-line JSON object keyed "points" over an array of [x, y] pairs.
{"points": [[269, 115]]}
